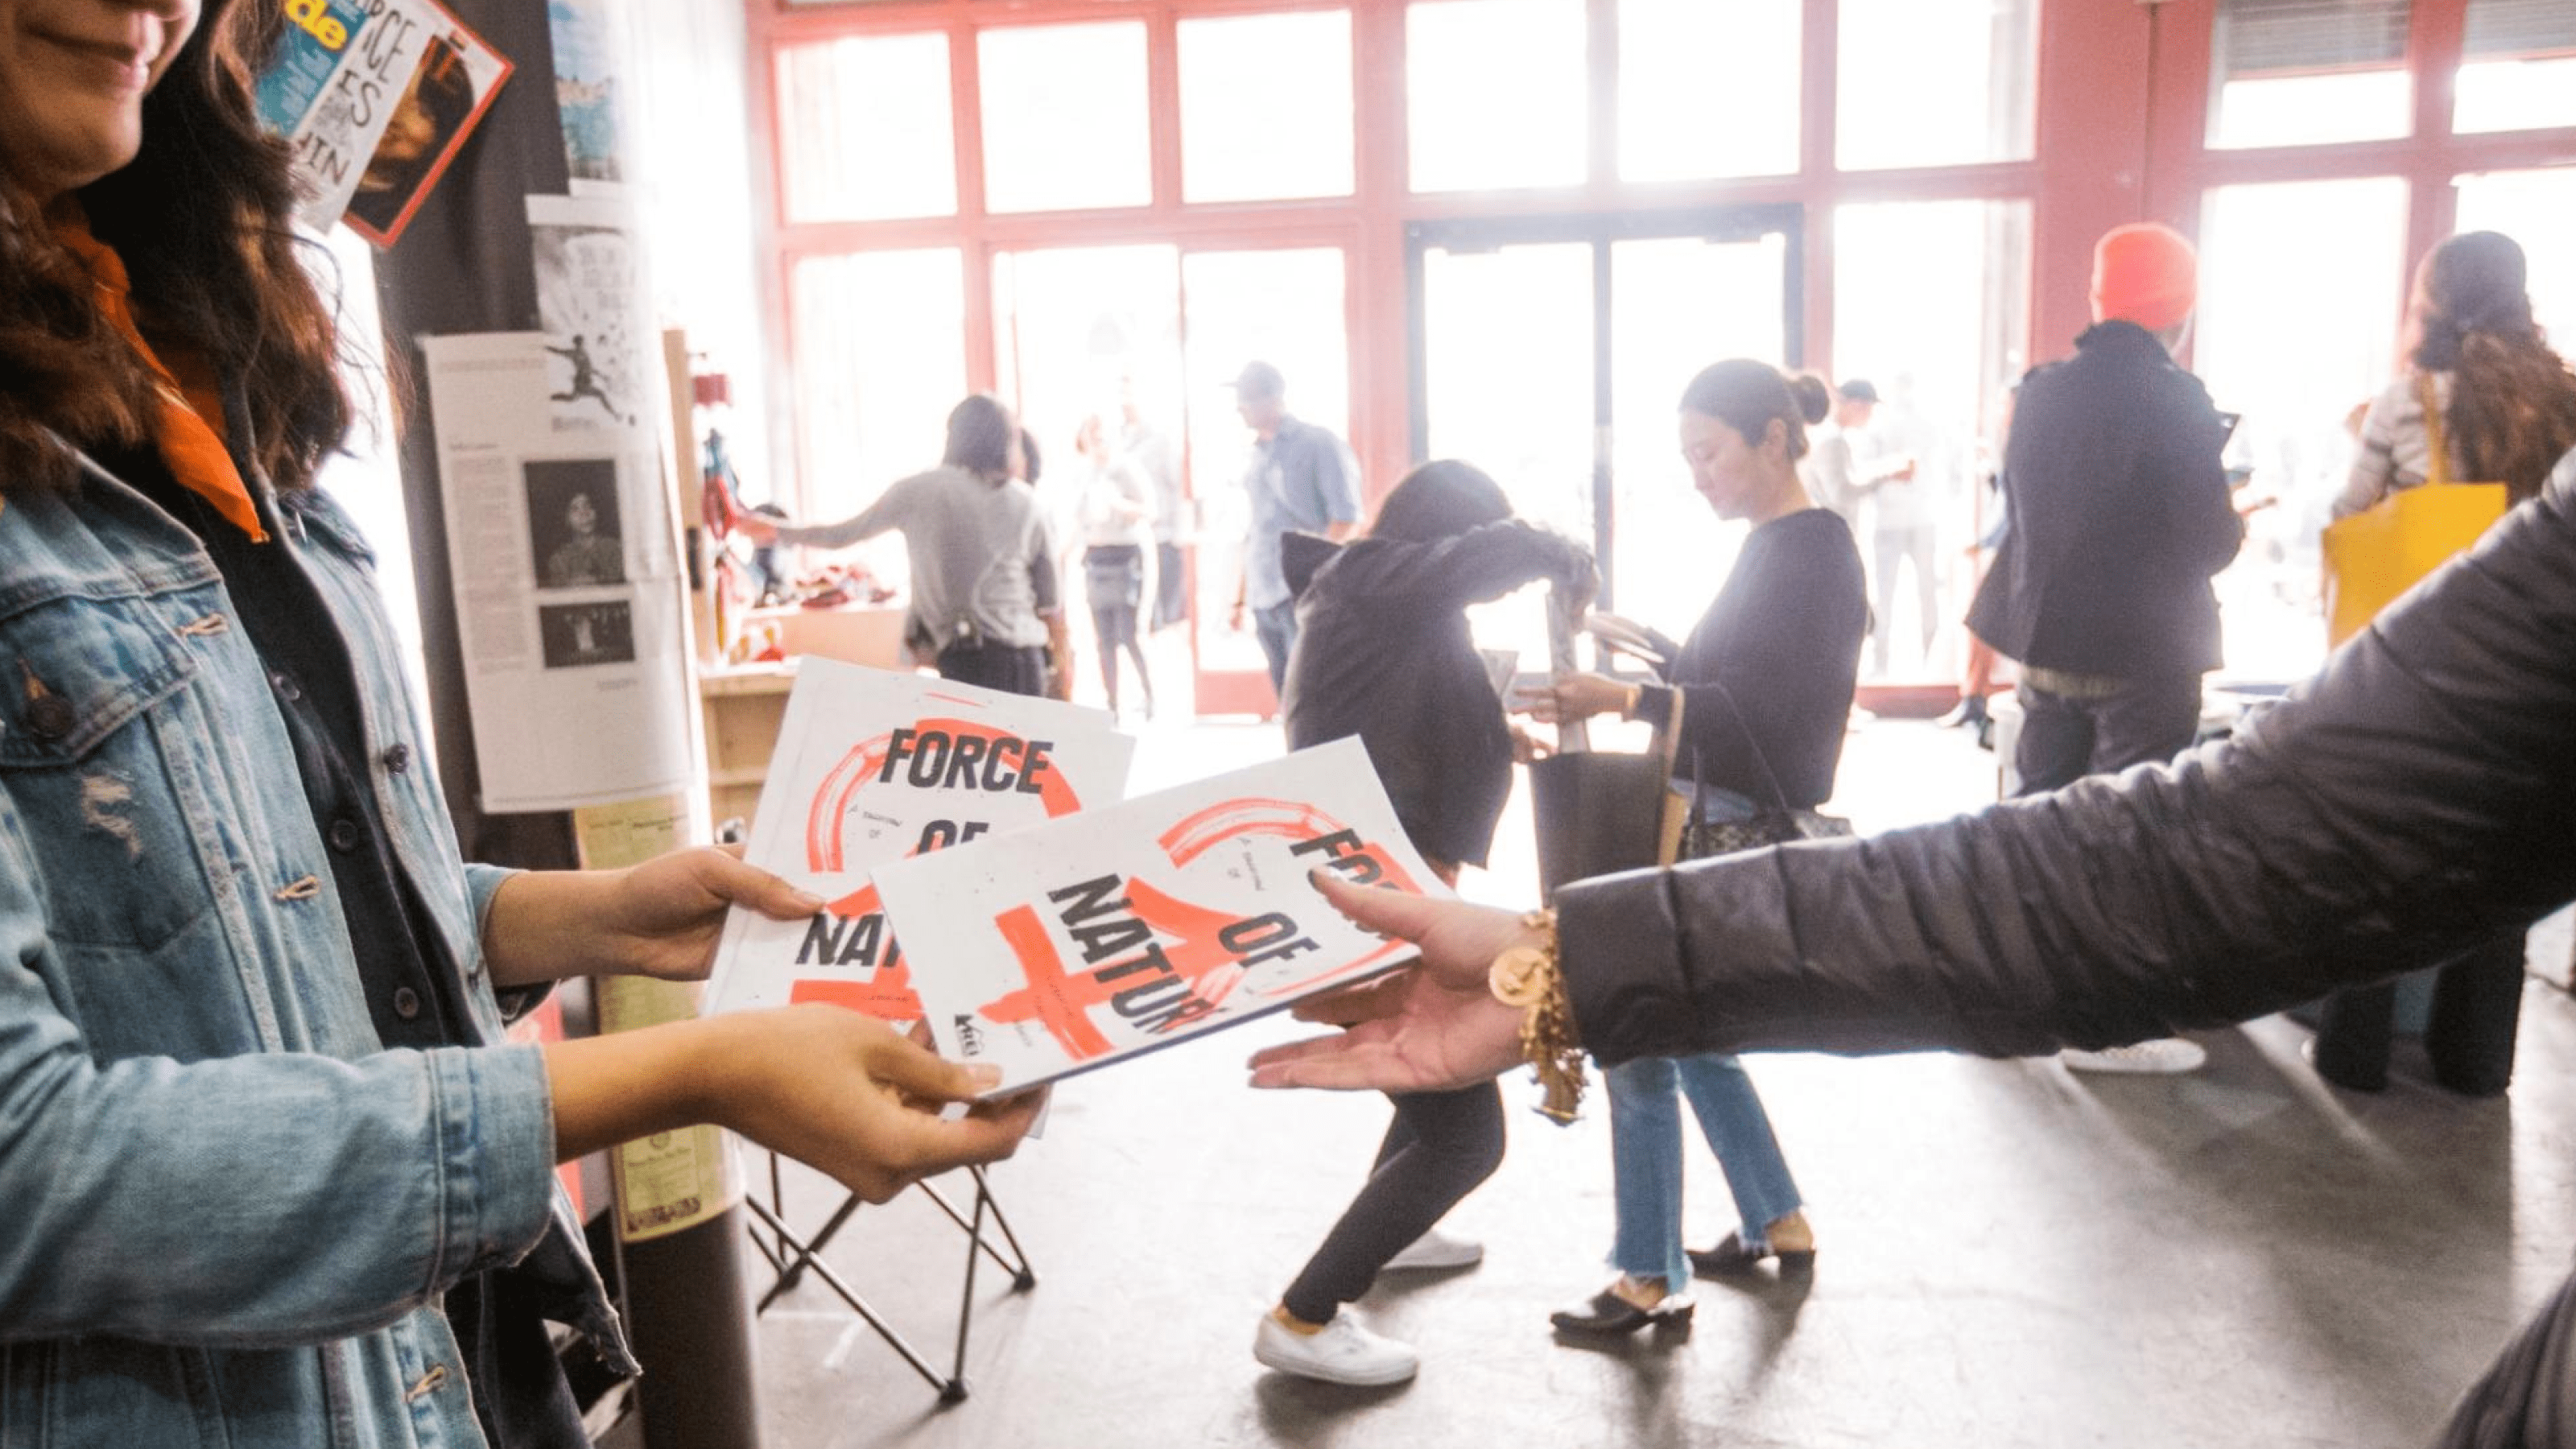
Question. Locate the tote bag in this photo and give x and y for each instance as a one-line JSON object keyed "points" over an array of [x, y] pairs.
{"points": [[2380, 553], [1597, 812]]}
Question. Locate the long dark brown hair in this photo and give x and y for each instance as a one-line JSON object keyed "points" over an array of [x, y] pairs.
{"points": [[2513, 402], [202, 220]]}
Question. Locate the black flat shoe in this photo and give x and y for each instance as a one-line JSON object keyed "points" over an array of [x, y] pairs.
{"points": [[1607, 1314], [1732, 1259]]}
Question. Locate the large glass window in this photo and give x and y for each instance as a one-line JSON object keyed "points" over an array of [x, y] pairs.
{"points": [[1931, 304], [863, 129], [1678, 304], [2535, 209], [1678, 120], [1065, 117], [880, 359], [1934, 82], [2293, 337], [1266, 106], [2520, 66], [2309, 72], [1495, 94]]}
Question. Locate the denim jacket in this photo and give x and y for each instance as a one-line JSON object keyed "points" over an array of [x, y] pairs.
{"points": [[232, 1213]]}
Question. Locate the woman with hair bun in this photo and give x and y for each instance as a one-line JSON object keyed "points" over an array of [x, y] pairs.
{"points": [[2483, 385], [1764, 688]]}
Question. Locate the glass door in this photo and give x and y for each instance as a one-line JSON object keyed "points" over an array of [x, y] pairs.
{"points": [[1552, 353]]}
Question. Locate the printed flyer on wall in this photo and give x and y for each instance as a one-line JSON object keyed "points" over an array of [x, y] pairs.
{"points": [[1078, 942], [873, 766]]}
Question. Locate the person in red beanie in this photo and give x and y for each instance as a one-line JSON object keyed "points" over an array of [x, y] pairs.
{"points": [[2120, 516]]}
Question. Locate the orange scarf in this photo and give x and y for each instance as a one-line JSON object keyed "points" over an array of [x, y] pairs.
{"points": [[188, 425]]}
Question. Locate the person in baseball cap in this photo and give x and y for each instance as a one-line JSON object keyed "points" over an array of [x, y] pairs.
{"points": [[1259, 381]]}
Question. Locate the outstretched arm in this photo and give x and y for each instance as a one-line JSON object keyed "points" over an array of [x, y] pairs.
{"points": [[2407, 803]]}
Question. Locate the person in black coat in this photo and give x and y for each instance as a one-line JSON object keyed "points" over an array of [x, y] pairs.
{"points": [[2120, 518], [1383, 652], [1759, 698]]}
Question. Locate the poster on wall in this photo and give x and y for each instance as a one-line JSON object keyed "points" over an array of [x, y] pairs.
{"points": [[1081, 941], [567, 601], [602, 353], [589, 87], [872, 766], [446, 98]]}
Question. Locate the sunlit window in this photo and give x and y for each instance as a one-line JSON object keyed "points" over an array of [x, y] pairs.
{"points": [[863, 129], [1266, 106], [1678, 304], [1507, 337], [2534, 208], [2293, 336], [2520, 66], [1064, 117], [1494, 94], [880, 359], [1708, 88], [1934, 82], [1930, 308], [2304, 73]]}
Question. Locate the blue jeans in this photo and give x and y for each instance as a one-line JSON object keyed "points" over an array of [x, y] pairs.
{"points": [[1276, 624], [1646, 1157], [1646, 1136]]}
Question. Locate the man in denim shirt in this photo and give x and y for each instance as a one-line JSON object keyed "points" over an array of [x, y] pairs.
{"points": [[1301, 479]]}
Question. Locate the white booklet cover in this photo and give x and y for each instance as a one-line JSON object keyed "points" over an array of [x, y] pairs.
{"points": [[873, 766], [1072, 944]]}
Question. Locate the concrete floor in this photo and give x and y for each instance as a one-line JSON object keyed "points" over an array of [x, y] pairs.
{"points": [[2010, 1255]]}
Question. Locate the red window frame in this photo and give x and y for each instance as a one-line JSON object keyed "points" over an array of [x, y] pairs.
{"points": [[2122, 101]]}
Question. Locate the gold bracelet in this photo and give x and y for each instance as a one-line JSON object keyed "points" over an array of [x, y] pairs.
{"points": [[1526, 976]]}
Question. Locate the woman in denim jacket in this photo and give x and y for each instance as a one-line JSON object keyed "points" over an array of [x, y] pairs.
{"points": [[267, 1188]]}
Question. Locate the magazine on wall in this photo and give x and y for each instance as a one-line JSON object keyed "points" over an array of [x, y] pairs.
{"points": [[374, 97], [439, 107], [873, 766], [1129, 927]]}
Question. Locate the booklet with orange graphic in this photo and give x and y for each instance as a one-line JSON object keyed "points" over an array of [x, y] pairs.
{"points": [[873, 766], [1080, 941]]}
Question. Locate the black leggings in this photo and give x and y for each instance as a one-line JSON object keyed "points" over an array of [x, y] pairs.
{"points": [[1441, 1146]]}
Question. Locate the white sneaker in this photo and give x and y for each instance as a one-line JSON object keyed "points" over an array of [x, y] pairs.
{"points": [[1341, 1352], [1436, 1249], [2162, 1058]]}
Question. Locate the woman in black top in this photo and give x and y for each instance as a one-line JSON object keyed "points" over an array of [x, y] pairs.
{"points": [[1383, 652], [1763, 688]]}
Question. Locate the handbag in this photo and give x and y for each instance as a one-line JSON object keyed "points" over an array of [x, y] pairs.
{"points": [[1778, 823], [2376, 555]]}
